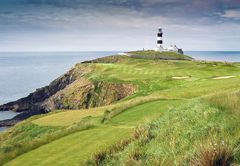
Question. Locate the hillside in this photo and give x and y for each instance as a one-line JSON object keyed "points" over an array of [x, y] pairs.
{"points": [[126, 110], [74, 90]]}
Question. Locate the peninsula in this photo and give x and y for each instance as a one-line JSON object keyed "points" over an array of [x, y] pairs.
{"points": [[139, 108]]}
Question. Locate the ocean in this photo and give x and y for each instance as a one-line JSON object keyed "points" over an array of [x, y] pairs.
{"points": [[228, 56], [21, 73]]}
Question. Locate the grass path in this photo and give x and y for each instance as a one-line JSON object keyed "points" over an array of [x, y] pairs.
{"points": [[73, 149], [145, 112], [76, 148]]}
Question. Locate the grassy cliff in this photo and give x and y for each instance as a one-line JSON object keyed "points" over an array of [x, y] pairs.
{"points": [[151, 54], [181, 112]]}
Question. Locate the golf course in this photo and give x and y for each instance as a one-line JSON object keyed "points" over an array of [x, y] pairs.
{"points": [[145, 108]]}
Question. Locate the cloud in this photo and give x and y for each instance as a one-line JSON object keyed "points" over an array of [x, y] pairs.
{"points": [[66, 24], [232, 14]]}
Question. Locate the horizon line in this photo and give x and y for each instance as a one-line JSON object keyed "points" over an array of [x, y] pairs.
{"points": [[106, 51]]}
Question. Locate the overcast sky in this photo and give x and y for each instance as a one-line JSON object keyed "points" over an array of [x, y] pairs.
{"points": [[91, 25]]}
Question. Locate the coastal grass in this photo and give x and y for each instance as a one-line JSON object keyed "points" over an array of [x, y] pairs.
{"points": [[152, 76], [228, 101], [181, 136], [186, 117], [181, 114], [151, 54], [17, 144], [144, 112], [118, 129], [27, 136], [73, 149], [187, 124], [66, 117]]}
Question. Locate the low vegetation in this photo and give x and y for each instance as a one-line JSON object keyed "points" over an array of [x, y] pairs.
{"points": [[66, 118], [151, 54], [167, 121], [181, 137], [27, 136], [214, 153]]}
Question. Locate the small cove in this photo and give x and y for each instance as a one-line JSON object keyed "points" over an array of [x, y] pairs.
{"points": [[6, 115]]}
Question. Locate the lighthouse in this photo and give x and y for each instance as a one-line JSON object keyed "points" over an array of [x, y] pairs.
{"points": [[159, 47], [159, 40]]}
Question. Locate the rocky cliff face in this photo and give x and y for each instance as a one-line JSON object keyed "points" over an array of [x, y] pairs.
{"points": [[70, 91], [34, 100], [84, 93]]}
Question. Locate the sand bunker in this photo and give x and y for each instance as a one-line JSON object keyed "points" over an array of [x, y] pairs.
{"points": [[180, 78], [223, 77]]}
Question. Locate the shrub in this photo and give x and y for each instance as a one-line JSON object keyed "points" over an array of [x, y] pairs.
{"points": [[228, 101], [98, 158], [143, 134], [137, 156], [214, 154]]}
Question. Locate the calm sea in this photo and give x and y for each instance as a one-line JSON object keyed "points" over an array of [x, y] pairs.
{"points": [[21, 73], [229, 56]]}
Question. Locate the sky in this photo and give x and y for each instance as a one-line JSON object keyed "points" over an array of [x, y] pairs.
{"points": [[102, 25]]}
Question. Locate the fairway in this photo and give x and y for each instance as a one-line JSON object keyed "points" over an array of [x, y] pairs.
{"points": [[94, 139], [73, 149], [66, 118], [145, 113]]}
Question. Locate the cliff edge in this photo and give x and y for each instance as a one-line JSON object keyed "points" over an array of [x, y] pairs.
{"points": [[72, 90]]}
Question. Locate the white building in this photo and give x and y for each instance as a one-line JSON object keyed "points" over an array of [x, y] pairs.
{"points": [[159, 46]]}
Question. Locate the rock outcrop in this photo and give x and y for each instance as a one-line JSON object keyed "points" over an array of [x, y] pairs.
{"points": [[84, 93], [71, 91], [34, 100]]}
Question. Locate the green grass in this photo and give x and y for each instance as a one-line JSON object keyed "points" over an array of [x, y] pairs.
{"points": [[151, 54], [66, 118], [116, 132], [73, 149], [178, 135], [27, 136], [144, 113], [180, 113]]}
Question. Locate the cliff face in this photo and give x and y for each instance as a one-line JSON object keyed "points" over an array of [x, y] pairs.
{"points": [[70, 91], [34, 100], [84, 93]]}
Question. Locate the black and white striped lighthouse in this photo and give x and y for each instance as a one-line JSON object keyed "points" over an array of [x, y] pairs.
{"points": [[159, 39], [159, 46]]}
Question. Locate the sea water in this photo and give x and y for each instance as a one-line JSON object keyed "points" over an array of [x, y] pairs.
{"points": [[228, 56], [6, 115]]}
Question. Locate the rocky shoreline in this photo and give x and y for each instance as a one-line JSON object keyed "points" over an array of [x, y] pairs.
{"points": [[18, 118], [70, 91]]}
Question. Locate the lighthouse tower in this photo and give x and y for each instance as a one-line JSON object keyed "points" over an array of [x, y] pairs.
{"points": [[159, 46]]}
